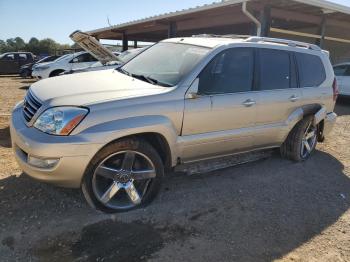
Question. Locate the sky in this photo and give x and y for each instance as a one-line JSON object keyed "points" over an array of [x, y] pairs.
{"points": [[57, 19]]}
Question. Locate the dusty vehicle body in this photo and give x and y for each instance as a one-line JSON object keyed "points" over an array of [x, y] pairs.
{"points": [[114, 132]]}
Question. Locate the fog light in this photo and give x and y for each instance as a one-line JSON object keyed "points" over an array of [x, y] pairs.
{"points": [[42, 163]]}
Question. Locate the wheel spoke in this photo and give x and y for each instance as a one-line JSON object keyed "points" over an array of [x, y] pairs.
{"points": [[106, 172], [307, 129], [310, 135], [128, 161], [111, 191], [133, 194], [307, 146], [143, 174]]}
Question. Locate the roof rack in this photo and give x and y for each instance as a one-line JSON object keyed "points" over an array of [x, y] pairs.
{"points": [[291, 43], [223, 36], [256, 39]]}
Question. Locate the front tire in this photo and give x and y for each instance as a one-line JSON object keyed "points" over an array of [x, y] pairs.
{"points": [[124, 175], [301, 141]]}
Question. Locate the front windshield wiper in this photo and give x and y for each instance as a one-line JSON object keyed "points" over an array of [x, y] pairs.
{"points": [[150, 80], [143, 78], [121, 70]]}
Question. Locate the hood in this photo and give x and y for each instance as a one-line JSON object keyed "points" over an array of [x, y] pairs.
{"points": [[91, 45], [92, 87]]}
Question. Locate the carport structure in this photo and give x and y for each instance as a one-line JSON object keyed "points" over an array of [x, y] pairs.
{"points": [[315, 21]]}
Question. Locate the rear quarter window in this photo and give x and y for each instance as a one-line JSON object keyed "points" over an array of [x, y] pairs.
{"points": [[311, 70]]}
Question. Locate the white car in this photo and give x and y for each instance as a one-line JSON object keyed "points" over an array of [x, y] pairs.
{"points": [[342, 73], [124, 57], [64, 63]]}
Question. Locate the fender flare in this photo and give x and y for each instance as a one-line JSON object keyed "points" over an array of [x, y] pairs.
{"points": [[105, 133]]}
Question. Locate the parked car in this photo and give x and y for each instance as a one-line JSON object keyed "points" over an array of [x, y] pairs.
{"points": [[124, 57], [64, 63], [10, 63], [342, 72], [26, 70], [113, 133]]}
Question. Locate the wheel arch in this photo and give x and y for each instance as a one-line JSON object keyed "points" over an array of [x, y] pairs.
{"points": [[55, 71], [316, 110]]}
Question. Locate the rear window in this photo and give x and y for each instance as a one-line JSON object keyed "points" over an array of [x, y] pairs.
{"points": [[311, 70]]}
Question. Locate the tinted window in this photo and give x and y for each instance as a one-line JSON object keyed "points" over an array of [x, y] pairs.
{"points": [[342, 70], [311, 70], [229, 72], [84, 58], [274, 69], [23, 57], [10, 57]]}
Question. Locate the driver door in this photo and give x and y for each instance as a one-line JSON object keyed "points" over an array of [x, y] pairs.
{"points": [[220, 115]]}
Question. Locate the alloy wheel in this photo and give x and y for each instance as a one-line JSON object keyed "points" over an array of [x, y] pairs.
{"points": [[121, 180], [308, 141]]}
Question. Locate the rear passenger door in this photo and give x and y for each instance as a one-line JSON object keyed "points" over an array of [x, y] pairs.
{"points": [[278, 96]]}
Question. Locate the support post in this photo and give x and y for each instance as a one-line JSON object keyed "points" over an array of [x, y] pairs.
{"points": [[265, 18], [135, 44], [125, 41], [172, 29], [322, 32]]}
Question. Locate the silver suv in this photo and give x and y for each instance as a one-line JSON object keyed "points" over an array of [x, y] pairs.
{"points": [[114, 132]]}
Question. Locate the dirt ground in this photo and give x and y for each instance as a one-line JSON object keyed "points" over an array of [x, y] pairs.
{"points": [[267, 210]]}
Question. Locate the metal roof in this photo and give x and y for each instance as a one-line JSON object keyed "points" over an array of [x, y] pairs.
{"points": [[323, 4]]}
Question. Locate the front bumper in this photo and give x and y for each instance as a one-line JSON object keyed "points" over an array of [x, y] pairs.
{"points": [[74, 153]]}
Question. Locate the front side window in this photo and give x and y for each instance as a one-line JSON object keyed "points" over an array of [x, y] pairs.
{"points": [[231, 71], [165, 63], [311, 70], [274, 69]]}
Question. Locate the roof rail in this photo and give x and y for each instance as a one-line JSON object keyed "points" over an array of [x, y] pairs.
{"points": [[222, 36], [291, 43]]}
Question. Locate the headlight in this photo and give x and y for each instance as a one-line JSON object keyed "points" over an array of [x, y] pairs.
{"points": [[41, 67], [60, 120]]}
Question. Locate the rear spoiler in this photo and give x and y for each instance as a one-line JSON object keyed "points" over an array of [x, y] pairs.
{"points": [[94, 47]]}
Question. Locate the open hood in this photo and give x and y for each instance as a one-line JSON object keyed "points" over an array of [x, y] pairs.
{"points": [[91, 45]]}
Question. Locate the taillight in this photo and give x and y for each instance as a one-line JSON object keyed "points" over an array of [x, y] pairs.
{"points": [[335, 90]]}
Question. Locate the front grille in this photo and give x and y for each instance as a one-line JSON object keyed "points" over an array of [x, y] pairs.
{"points": [[31, 106]]}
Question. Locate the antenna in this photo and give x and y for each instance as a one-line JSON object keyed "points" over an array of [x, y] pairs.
{"points": [[108, 22]]}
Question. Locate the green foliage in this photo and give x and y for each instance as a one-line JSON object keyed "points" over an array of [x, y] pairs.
{"points": [[36, 46]]}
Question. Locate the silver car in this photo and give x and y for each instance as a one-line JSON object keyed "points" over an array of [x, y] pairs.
{"points": [[113, 133]]}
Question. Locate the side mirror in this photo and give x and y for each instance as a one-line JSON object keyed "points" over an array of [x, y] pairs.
{"points": [[192, 92], [75, 60]]}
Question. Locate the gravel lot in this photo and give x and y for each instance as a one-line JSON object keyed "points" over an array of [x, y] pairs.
{"points": [[270, 209]]}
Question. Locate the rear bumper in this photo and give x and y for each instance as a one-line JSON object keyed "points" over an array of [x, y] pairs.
{"points": [[329, 123]]}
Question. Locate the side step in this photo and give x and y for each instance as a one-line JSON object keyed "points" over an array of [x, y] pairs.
{"points": [[206, 166]]}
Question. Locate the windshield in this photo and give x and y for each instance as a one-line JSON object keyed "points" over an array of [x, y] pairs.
{"points": [[62, 57], [165, 63]]}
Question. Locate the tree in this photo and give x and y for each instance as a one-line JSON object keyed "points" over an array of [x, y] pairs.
{"points": [[45, 46], [33, 45]]}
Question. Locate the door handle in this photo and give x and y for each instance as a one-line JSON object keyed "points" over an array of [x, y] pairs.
{"points": [[249, 103], [294, 98]]}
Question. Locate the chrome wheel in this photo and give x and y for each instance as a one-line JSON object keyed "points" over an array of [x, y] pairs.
{"points": [[122, 179], [308, 141]]}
